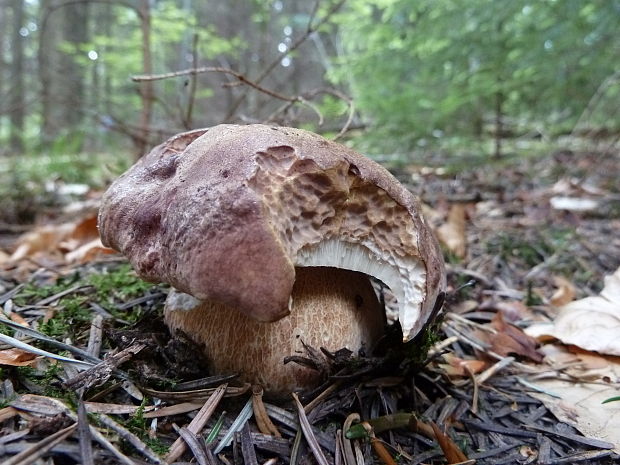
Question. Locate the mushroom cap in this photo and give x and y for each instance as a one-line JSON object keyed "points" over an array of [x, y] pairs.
{"points": [[226, 213]]}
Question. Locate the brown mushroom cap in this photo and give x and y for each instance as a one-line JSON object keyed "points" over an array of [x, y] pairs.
{"points": [[226, 213]]}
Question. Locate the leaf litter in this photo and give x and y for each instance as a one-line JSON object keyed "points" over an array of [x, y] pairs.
{"points": [[480, 395]]}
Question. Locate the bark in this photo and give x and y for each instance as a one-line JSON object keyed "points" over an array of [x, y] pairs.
{"points": [[48, 56], [16, 97], [75, 33], [146, 88], [499, 129]]}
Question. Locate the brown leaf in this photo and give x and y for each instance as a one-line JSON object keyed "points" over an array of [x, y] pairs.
{"points": [[512, 340], [42, 239], [592, 323], [86, 229], [513, 310], [459, 367], [453, 233], [88, 252], [565, 292], [17, 358]]}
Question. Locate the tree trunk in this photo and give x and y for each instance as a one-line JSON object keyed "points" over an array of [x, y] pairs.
{"points": [[75, 33], [16, 98], [48, 56], [146, 87], [499, 128], [3, 29]]}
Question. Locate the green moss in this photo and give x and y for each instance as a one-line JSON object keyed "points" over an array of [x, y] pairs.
{"points": [[157, 446], [73, 316], [120, 284]]}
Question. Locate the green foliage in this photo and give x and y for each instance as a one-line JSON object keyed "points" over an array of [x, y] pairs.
{"points": [[420, 69], [170, 26]]}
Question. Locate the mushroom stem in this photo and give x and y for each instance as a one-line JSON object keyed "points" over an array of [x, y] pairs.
{"points": [[331, 308]]}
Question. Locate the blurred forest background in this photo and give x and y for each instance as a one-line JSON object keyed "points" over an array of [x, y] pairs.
{"points": [[408, 79]]}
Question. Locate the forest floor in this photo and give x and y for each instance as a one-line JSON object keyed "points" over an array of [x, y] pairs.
{"points": [[90, 374]]}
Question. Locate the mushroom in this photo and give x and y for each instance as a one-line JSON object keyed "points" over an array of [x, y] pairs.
{"points": [[267, 233]]}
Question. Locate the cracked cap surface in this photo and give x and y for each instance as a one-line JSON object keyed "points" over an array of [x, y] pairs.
{"points": [[226, 214]]}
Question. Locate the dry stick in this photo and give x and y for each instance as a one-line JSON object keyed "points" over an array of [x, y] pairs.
{"points": [[242, 79], [214, 69], [100, 373], [294, 46], [36, 451], [248, 452], [338, 452], [131, 439], [486, 374], [474, 381], [199, 421], [307, 429], [197, 448], [318, 399], [56, 297], [95, 337], [49, 406], [85, 438]]}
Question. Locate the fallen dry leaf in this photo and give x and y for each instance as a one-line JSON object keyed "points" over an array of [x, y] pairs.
{"points": [[88, 252], [512, 310], [78, 242], [17, 358], [510, 340], [460, 367], [580, 403], [565, 292], [43, 239], [592, 323], [453, 233]]}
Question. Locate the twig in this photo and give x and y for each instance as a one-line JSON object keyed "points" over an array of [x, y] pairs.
{"points": [[197, 447], [28, 348], [85, 438], [61, 345], [486, 374], [196, 425], [214, 69], [294, 46], [131, 439], [474, 381], [55, 297], [38, 450], [247, 446], [95, 337], [322, 396], [101, 372]]}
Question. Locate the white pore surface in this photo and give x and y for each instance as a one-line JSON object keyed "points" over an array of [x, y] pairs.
{"points": [[405, 276]]}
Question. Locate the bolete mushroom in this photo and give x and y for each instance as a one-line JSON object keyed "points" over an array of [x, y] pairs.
{"points": [[267, 233]]}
